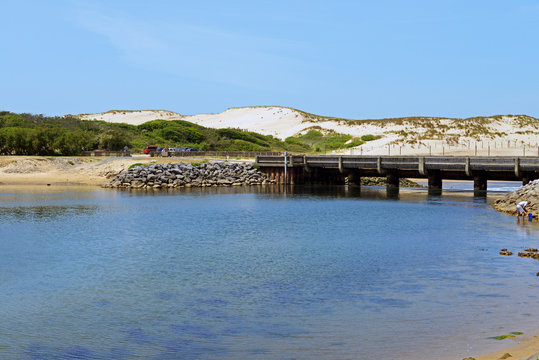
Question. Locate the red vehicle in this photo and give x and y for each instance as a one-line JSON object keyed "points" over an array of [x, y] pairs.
{"points": [[149, 149]]}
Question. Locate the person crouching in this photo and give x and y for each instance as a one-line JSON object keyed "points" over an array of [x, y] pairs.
{"points": [[521, 208]]}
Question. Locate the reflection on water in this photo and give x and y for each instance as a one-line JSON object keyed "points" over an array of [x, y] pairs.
{"points": [[41, 213], [306, 272]]}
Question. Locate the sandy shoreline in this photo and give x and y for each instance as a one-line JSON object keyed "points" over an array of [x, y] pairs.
{"points": [[523, 347], [93, 172], [67, 171]]}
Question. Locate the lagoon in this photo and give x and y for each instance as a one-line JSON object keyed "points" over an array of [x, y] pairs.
{"points": [[259, 273]]}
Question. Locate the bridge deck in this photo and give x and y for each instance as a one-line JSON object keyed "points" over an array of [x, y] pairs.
{"points": [[523, 168]]}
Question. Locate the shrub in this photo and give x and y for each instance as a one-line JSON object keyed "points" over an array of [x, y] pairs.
{"points": [[355, 142], [369, 137], [135, 165]]}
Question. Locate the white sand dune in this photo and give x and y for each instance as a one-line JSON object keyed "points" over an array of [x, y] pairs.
{"points": [[133, 117], [412, 135]]}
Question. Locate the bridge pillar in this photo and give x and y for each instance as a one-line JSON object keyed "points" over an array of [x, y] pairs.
{"points": [[435, 182], [392, 178], [277, 175], [480, 183], [289, 176], [354, 177]]}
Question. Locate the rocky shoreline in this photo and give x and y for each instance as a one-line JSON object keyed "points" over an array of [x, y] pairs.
{"points": [[528, 192], [178, 175], [382, 181], [174, 175]]}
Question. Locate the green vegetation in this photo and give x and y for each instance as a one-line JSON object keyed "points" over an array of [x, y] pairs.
{"points": [[370, 137], [317, 139], [135, 165], [27, 134], [508, 336]]}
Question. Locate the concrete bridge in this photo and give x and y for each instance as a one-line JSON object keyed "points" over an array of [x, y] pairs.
{"points": [[339, 169]]}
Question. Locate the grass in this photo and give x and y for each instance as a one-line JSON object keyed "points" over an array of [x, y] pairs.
{"points": [[135, 165]]}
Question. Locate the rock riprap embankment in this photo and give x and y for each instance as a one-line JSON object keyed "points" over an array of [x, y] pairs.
{"points": [[177, 175], [528, 192], [382, 181]]}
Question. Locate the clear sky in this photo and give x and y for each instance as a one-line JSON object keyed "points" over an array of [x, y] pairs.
{"points": [[354, 59]]}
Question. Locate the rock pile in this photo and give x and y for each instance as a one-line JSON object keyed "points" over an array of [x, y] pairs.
{"points": [[176, 175], [529, 192], [532, 253], [382, 181]]}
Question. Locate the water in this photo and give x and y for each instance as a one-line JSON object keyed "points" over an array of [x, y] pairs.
{"points": [[313, 273]]}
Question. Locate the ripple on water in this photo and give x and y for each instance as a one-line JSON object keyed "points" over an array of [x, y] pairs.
{"points": [[160, 275], [188, 329]]}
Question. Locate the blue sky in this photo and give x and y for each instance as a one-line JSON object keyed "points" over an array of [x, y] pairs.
{"points": [[353, 59]]}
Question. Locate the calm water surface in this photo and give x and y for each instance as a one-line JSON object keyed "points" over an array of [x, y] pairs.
{"points": [[313, 273]]}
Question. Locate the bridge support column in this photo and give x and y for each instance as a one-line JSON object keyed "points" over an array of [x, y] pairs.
{"points": [[480, 183], [392, 179], [435, 182], [354, 178]]}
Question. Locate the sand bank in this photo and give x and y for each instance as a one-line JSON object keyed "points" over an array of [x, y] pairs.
{"points": [[37, 170], [524, 347]]}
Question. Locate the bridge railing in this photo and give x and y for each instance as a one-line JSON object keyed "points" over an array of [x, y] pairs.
{"points": [[497, 163], [466, 148]]}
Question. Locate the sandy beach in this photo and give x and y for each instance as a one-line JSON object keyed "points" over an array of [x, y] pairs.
{"points": [[36, 170]]}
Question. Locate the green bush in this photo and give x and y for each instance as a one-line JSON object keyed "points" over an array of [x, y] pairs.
{"points": [[370, 137], [355, 142]]}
